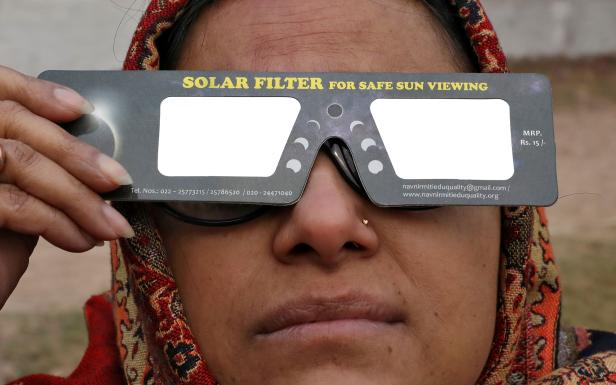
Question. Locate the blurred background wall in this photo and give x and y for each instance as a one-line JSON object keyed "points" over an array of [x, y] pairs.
{"points": [[572, 41], [36, 35], [544, 28]]}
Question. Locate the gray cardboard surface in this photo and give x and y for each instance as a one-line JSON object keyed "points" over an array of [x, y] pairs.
{"points": [[126, 126]]}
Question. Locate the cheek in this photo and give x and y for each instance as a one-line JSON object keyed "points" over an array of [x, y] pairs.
{"points": [[204, 263], [450, 263]]}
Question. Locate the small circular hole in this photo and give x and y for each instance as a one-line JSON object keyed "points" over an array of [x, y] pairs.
{"points": [[334, 110]]}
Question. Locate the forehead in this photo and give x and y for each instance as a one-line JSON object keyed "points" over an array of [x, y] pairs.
{"points": [[319, 35]]}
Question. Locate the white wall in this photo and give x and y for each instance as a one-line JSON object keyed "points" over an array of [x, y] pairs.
{"points": [[36, 35], [570, 28]]}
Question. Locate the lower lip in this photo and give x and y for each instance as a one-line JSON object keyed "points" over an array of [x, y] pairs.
{"points": [[332, 330]]}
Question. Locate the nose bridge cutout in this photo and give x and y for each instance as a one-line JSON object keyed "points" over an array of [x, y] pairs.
{"points": [[339, 153], [324, 170]]}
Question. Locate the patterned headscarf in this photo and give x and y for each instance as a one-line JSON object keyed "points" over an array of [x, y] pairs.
{"points": [[157, 347]]}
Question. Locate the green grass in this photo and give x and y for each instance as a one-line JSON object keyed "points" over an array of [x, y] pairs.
{"points": [[41, 343], [588, 274], [576, 83]]}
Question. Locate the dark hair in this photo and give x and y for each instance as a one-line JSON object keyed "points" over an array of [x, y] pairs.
{"points": [[445, 14], [170, 42]]}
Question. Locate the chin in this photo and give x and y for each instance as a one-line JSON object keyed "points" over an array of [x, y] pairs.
{"points": [[333, 367], [332, 374]]}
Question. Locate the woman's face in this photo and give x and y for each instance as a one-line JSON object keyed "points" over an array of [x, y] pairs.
{"points": [[310, 294]]}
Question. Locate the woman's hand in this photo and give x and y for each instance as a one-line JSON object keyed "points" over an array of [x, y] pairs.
{"points": [[49, 180]]}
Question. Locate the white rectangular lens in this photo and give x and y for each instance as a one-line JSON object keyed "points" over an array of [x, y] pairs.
{"points": [[446, 138], [224, 136]]}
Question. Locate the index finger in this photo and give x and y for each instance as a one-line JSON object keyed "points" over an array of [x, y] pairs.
{"points": [[47, 99]]}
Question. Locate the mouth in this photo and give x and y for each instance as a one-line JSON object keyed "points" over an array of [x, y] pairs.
{"points": [[313, 317]]}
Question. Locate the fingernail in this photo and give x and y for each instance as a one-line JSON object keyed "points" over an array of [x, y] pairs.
{"points": [[114, 170], [117, 222], [73, 100]]}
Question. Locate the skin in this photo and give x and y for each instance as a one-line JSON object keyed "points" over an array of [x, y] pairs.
{"points": [[49, 181], [437, 268]]}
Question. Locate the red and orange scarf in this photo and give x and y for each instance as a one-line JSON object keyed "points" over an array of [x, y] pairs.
{"points": [[139, 334]]}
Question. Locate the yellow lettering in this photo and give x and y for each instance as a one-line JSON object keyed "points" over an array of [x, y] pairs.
{"points": [[378, 85], [340, 85], [277, 84], [189, 82], [409, 86], [316, 83], [303, 84], [291, 83], [458, 86], [259, 81], [228, 83], [200, 82], [242, 82]]}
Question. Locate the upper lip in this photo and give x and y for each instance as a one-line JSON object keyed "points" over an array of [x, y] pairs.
{"points": [[310, 309]]}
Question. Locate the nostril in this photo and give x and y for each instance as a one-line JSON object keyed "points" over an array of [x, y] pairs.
{"points": [[301, 248], [353, 246]]}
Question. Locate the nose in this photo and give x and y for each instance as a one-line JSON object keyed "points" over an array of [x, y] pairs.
{"points": [[328, 224]]}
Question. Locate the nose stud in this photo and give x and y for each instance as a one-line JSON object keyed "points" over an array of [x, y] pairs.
{"points": [[364, 221]]}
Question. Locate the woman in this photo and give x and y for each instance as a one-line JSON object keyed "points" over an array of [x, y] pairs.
{"points": [[330, 290]]}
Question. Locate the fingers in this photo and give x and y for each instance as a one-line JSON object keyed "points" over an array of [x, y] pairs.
{"points": [[81, 160], [24, 214], [49, 180], [13, 260], [37, 189], [47, 99]]}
